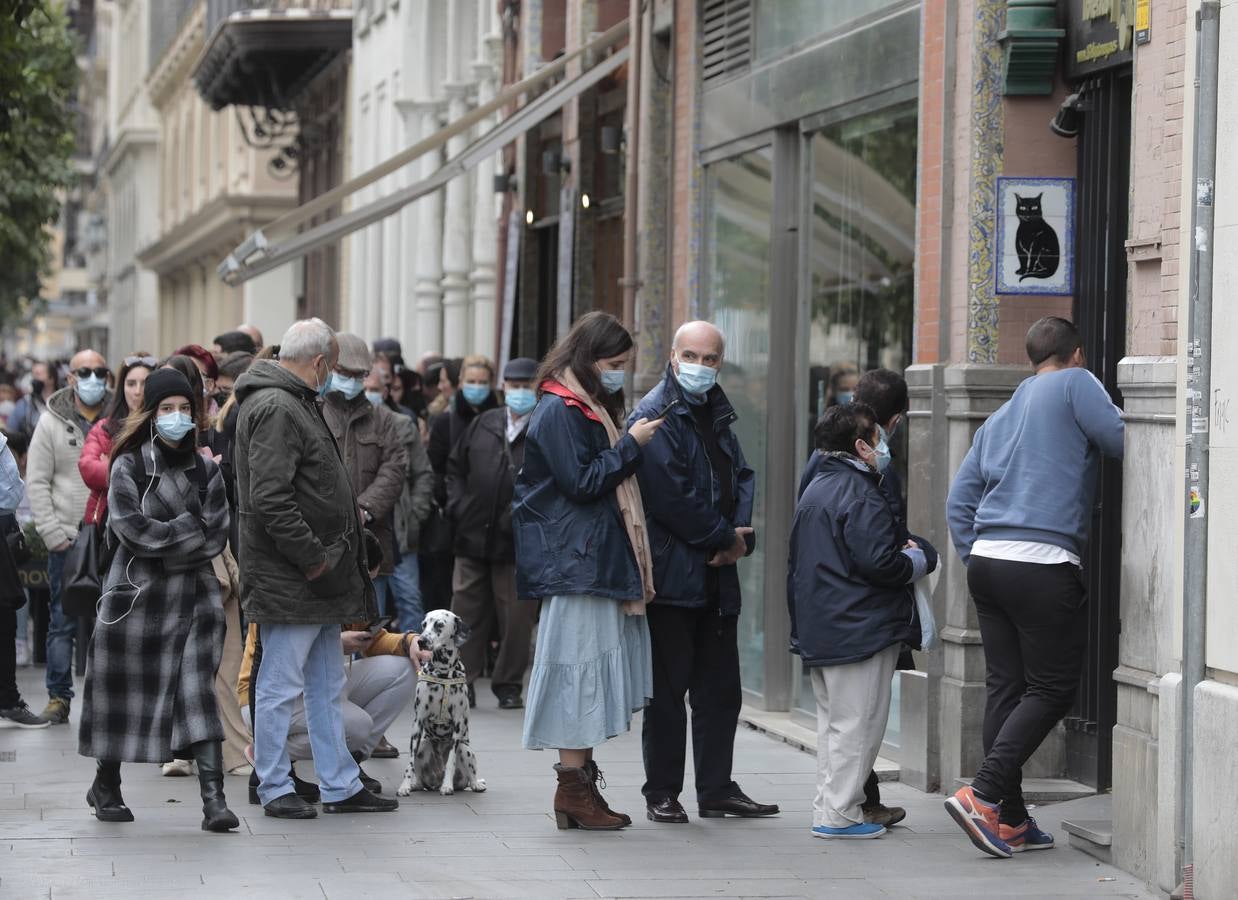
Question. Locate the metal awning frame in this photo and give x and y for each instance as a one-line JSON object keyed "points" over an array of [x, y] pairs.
{"points": [[241, 264]]}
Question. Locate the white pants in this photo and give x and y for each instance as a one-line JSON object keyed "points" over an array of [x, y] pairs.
{"points": [[853, 704], [376, 691]]}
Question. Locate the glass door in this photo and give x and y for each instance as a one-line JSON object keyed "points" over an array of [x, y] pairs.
{"points": [[860, 250], [735, 297]]}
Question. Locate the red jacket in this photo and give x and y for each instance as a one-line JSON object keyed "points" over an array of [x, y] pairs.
{"points": [[93, 464]]}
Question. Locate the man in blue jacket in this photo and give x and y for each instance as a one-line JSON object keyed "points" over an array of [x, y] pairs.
{"points": [[1019, 511], [697, 490], [851, 611]]}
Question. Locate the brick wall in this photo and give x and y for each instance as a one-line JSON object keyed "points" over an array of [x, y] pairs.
{"points": [[1156, 184], [931, 182]]}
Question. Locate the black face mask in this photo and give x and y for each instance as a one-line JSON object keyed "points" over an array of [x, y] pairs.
{"points": [[221, 397], [36, 387]]}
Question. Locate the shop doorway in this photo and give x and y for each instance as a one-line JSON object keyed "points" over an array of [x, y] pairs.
{"points": [[1100, 312]]}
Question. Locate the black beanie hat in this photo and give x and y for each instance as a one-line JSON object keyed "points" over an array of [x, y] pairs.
{"points": [[164, 383]]}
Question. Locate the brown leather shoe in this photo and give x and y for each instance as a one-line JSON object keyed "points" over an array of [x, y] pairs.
{"points": [[880, 814], [666, 810], [576, 803], [595, 776]]}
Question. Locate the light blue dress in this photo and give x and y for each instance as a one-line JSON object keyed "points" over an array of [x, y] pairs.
{"points": [[592, 670]]}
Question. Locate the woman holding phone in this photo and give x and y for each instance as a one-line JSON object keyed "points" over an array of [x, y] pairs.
{"points": [[582, 550], [160, 631]]}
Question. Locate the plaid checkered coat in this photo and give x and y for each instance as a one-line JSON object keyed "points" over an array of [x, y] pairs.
{"points": [[150, 676]]}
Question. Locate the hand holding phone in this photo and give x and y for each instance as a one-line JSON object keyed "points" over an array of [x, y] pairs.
{"points": [[662, 413]]}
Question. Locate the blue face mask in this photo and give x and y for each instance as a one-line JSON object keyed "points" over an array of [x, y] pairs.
{"points": [[612, 380], [882, 451], [375, 397], [324, 384], [343, 384], [91, 390], [696, 379], [475, 394], [844, 397], [520, 400], [173, 426]]}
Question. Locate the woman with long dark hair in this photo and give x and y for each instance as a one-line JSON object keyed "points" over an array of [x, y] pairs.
{"points": [[97, 448], [159, 635], [582, 550]]}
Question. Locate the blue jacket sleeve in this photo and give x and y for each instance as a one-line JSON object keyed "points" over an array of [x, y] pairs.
{"points": [[669, 495], [580, 473], [964, 499], [11, 487], [1096, 414], [868, 530]]}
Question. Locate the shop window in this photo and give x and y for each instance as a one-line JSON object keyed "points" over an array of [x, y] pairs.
{"points": [[736, 299]]}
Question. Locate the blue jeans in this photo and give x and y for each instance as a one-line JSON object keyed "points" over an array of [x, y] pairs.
{"points": [[406, 584], [296, 660], [383, 594], [61, 630]]}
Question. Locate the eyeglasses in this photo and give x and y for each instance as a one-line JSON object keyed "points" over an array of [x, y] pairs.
{"points": [[149, 361], [101, 372]]}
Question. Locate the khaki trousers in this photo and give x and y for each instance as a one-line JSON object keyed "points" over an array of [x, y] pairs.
{"points": [[853, 704], [484, 593]]}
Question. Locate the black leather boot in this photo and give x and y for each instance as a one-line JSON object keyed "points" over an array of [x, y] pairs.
{"points": [[104, 794], [215, 813]]}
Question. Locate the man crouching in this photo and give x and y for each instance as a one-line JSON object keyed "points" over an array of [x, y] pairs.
{"points": [[852, 608]]}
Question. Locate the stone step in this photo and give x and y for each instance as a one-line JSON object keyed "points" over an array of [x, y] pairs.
{"points": [[779, 726], [1093, 836], [1046, 790]]}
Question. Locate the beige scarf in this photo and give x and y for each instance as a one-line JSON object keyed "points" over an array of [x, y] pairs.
{"points": [[628, 494]]}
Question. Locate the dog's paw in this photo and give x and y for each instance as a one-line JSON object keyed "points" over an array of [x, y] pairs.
{"points": [[405, 788], [479, 785], [447, 790]]}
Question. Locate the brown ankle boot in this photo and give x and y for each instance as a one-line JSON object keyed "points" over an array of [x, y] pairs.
{"points": [[576, 804], [595, 776]]}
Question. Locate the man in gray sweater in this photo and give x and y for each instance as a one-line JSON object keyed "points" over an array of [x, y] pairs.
{"points": [[1019, 512]]}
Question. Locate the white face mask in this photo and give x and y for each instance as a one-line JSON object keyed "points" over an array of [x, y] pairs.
{"points": [[696, 379]]}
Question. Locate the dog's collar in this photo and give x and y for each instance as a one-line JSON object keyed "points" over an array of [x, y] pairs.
{"points": [[446, 682]]}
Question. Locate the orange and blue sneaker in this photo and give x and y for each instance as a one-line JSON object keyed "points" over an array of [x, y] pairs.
{"points": [[1026, 836], [978, 818]]}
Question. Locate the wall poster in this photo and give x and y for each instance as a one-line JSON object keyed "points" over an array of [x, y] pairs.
{"points": [[1035, 236]]}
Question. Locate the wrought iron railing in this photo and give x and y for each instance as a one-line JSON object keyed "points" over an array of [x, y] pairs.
{"points": [[218, 10]]}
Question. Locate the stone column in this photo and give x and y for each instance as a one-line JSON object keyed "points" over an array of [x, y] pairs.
{"points": [[457, 240], [485, 205], [405, 312], [427, 333]]}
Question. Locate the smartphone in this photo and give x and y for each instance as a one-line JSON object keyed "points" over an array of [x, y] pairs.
{"points": [[379, 624], [666, 409]]}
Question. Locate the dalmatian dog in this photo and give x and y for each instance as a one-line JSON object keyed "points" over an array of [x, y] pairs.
{"points": [[440, 758]]}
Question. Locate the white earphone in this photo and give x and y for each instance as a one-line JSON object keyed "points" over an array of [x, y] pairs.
{"points": [[154, 470]]}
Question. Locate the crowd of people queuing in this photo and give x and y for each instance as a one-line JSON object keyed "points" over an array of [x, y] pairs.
{"points": [[276, 520]]}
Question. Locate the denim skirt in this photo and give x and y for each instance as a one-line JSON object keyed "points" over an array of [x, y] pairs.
{"points": [[593, 668]]}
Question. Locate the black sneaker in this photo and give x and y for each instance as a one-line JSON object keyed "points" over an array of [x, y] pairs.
{"points": [[20, 716], [362, 802]]}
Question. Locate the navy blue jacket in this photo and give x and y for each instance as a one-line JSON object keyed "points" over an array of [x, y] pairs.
{"points": [[681, 495], [891, 486], [569, 534], [847, 577]]}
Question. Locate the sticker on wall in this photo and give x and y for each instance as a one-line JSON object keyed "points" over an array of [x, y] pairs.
{"points": [[1035, 236], [1197, 504]]}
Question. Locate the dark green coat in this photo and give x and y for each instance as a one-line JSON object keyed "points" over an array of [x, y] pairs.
{"points": [[296, 507]]}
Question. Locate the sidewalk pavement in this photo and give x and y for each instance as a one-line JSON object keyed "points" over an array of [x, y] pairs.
{"points": [[502, 843]]}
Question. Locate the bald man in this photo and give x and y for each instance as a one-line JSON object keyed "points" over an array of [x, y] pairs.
{"points": [[697, 489], [58, 501], [253, 333]]}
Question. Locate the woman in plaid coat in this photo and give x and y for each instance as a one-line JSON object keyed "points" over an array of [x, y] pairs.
{"points": [[150, 677]]}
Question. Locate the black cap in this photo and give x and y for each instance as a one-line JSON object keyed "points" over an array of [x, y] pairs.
{"points": [[163, 383], [520, 369]]}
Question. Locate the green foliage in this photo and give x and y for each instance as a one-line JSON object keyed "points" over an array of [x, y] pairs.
{"points": [[38, 549], [38, 83]]}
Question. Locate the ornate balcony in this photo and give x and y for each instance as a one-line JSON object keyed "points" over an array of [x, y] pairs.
{"points": [[264, 54]]}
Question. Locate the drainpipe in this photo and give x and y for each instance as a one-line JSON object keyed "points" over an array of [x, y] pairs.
{"points": [[630, 282], [1198, 415]]}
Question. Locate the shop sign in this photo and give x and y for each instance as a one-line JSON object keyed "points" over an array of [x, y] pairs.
{"points": [[1099, 35], [1035, 236]]}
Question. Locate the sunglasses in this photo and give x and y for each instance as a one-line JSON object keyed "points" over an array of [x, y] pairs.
{"points": [[101, 372], [148, 361]]}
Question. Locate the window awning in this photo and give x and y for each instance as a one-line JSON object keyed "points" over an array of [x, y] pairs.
{"points": [[279, 242]]}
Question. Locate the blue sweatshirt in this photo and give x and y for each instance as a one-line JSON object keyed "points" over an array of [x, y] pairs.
{"points": [[1031, 472]]}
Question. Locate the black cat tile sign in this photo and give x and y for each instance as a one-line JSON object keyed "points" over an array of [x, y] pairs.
{"points": [[1035, 235]]}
